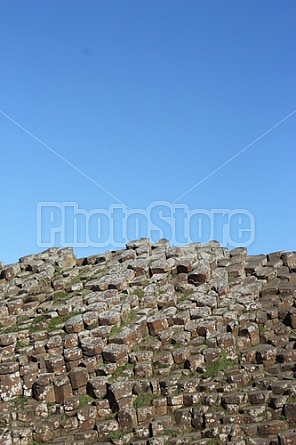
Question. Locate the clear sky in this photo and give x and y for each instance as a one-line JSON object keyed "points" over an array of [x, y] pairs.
{"points": [[147, 99]]}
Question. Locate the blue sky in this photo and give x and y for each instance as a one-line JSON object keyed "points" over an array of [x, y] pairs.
{"points": [[147, 98]]}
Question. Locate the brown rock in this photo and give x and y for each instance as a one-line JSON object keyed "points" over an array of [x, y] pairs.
{"points": [[259, 397], [71, 404], [8, 339], [73, 354], [198, 417], [54, 342], [123, 337], [69, 423], [8, 368], [127, 419], [183, 418], [10, 271], [157, 323], [175, 400], [237, 270], [90, 319], [91, 346], [118, 391], [214, 420], [289, 259], [145, 414], [10, 386], [114, 353], [143, 370], [62, 388], [55, 364], [205, 328], [86, 437], [127, 255], [140, 267], [86, 416], [271, 428], [161, 266], [194, 362], [78, 377], [290, 412], [29, 376], [251, 331], [74, 324], [180, 355], [200, 274], [280, 386], [184, 265], [266, 273], [109, 318], [105, 428], [238, 398], [97, 387], [160, 406], [43, 431], [266, 355], [287, 437], [66, 258], [43, 389]]}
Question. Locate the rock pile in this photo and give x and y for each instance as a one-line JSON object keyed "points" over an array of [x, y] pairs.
{"points": [[151, 345]]}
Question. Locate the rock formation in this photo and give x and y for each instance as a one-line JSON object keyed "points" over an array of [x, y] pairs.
{"points": [[151, 345]]}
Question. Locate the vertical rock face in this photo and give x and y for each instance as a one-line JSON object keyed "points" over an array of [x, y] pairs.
{"points": [[149, 345], [10, 381]]}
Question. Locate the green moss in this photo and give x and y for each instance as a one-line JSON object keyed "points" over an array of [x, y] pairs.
{"points": [[61, 295], [78, 277], [57, 269], [144, 399], [85, 399], [18, 401], [148, 337], [2, 426], [91, 326], [115, 435], [10, 329], [35, 326], [171, 432], [215, 441], [222, 364], [120, 370], [138, 292], [131, 317], [75, 280], [116, 329], [185, 295], [53, 323], [110, 416]]}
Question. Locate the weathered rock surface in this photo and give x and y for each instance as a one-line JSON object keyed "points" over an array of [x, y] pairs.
{"points": [[149, 345]]}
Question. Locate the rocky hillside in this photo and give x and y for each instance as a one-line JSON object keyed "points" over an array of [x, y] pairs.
{"points": [[151, 345]]}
